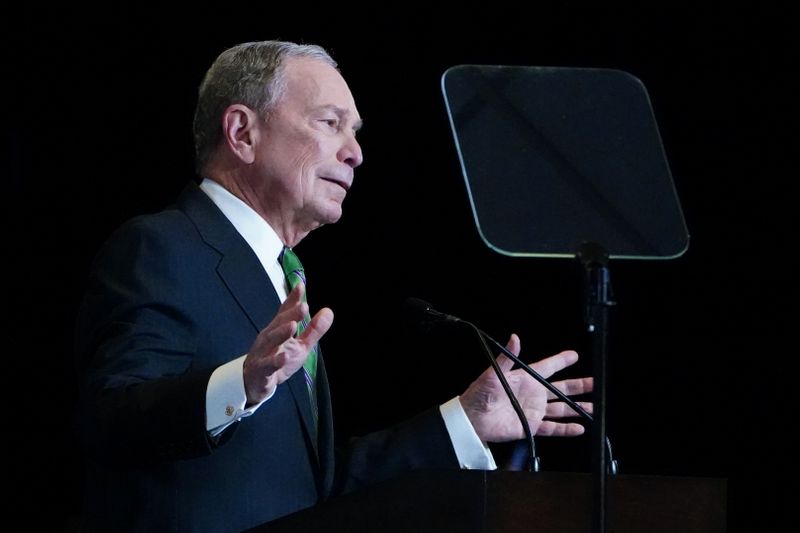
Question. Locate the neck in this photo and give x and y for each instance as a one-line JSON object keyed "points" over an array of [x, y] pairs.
{"points": [[281, 223]]}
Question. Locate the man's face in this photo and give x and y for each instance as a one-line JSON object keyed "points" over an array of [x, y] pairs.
{"points": [[307, 149]]}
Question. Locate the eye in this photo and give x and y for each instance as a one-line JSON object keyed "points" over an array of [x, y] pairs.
{"points": [[331, 122]]}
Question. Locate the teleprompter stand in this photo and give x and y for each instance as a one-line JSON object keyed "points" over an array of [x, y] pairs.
{"points": [[567, 163], [560, 163]]}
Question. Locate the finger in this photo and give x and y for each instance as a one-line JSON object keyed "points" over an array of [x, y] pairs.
{"points": [[293, 308], [548, 428], [550, 365], [295, 295], [563, 410], [274, 363], [279, 333], [318, 326], [572, 387], [289, 358], [513, 345]]}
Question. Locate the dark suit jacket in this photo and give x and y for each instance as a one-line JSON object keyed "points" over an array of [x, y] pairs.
{"points": [[171, 297]]}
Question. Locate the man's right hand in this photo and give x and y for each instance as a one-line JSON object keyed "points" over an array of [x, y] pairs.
{"points": [[276, 353]]}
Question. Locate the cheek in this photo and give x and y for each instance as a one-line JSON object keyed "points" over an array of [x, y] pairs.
{"points": [[297, 161], [301, 156], [309, 157], [316, 149]]}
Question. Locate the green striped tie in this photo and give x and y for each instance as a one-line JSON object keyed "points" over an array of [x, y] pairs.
{"points": [[293, 270]]}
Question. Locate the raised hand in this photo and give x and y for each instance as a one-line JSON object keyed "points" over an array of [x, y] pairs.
{"points": [[490, 411], [276, 353]]}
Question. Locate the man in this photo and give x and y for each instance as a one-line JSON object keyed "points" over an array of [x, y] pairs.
{"points": [[200, 408]]}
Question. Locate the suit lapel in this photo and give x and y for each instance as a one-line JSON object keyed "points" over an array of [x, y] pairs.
{"points": [[244, 276]]}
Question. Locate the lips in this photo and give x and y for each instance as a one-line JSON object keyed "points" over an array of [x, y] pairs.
{"points": [[341, 182]]}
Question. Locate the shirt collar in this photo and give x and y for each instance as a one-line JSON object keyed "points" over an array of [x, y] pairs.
{"points": [[258, 234]]}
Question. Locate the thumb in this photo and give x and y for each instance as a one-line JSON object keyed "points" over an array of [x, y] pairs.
{"points": [[513, 346]]}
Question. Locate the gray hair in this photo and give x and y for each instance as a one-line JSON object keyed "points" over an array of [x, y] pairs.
{"points": [[250, 74]]}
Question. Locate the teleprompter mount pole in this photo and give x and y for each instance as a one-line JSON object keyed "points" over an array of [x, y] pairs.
{"points": [[594, 259]]}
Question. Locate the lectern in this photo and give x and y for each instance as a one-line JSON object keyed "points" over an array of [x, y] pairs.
{"points": [[508, 502]]}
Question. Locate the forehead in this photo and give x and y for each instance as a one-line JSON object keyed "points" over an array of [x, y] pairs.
{"points": [[313, 83]]}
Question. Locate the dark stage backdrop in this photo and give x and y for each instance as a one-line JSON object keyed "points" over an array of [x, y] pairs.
{"points": [[97, 128]]}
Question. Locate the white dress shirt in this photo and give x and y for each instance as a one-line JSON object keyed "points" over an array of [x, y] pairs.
{"points": [[225, 396]]}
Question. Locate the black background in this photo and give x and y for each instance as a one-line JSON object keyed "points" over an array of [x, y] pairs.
{"points": [[97, 128]]}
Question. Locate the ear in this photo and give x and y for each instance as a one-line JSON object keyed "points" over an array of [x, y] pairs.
{"points": [[240, 131]]}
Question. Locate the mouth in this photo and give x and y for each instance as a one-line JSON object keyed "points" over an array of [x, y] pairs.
{"points": [[344, 184]]}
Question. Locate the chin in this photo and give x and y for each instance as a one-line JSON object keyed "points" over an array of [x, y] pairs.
{"points": [[333, 219], [333, 211], [329, 216]]}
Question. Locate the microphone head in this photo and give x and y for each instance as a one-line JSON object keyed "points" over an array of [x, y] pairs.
{"points": [[417, 315], [423, 315], [417, 308]]}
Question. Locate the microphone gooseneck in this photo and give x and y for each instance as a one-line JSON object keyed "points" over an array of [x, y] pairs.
{"points": [[534, 463], [427, 313], [612, 467]]}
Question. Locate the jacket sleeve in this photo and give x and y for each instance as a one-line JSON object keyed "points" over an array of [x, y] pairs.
{"points": [[419, 443], [141, 399]]}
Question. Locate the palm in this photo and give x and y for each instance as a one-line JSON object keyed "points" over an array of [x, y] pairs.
{"points": [[492, 415], [499, 417]]}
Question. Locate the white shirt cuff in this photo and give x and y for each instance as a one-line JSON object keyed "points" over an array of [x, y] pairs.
{"points": [[472, 453], [226, 397]]}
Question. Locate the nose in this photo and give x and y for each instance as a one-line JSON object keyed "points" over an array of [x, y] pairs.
{"points": [[350, 152]]}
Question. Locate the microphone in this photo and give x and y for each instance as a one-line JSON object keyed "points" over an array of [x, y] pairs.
{"points": [[422, 308]]}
